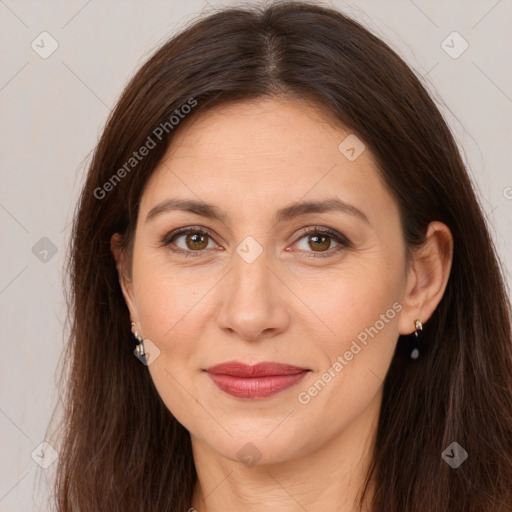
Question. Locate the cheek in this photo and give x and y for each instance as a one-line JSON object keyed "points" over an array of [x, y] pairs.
{"points": [[359, 310], [350, 301], [363, 314], [166, 299], [166, 310]]}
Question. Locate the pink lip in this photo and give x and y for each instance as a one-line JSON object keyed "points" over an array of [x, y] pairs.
{"points": [[258, 381]]}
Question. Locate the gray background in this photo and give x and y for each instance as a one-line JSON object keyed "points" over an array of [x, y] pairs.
{"points": [[53, 111]]}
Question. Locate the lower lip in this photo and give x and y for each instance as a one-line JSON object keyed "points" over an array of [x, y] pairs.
{"points": [[255, 387]]}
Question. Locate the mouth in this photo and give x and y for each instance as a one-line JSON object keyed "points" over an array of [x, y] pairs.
{"points": [[255, 381]]}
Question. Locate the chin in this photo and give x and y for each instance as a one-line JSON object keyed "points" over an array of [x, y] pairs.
{"points": [[253, 444]]}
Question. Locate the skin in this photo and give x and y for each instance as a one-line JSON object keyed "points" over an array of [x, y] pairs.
{"points": [[250, 159]]}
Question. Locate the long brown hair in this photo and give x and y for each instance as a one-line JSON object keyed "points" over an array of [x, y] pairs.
{"points": [[121, 448]]}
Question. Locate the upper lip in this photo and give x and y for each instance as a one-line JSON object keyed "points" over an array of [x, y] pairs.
{"points": [[264, 369]]}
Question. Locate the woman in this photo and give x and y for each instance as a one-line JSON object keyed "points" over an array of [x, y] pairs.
{"points": [[278, 225]]}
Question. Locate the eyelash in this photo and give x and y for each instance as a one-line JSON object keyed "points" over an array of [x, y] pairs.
{"points": [[343, 242]]}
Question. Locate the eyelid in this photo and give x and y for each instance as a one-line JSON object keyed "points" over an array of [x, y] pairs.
{"points": [[311, 230], [169, 237]]}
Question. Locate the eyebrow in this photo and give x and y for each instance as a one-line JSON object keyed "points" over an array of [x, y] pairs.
{"points": [[288, 212]]}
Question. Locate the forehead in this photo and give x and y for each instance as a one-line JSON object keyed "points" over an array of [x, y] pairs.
{"points": [[270, 128], [263, 154]]}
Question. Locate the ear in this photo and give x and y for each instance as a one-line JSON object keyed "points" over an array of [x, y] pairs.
{"points": [[124, 272], [427, 277]]}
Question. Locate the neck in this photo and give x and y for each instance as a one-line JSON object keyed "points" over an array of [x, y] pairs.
{"points": [[330, 478]]}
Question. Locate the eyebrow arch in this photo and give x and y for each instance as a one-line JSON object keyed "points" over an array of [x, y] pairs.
{"points": [[288, 212], [305, 207], [187, 205]]}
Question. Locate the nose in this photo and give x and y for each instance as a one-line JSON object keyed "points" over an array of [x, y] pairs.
{"points": [[254, 301]]}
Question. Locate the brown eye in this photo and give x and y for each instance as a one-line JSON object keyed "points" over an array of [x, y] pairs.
{"points": [[323, 242], [196, 241], [319, 242], [188, 241]]}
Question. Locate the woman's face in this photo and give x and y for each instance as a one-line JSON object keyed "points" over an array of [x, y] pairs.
{"points": [[260, 286]]}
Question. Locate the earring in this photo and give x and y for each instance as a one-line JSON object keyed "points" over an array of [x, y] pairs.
{"points": [[415, 343], [140, 345]]}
